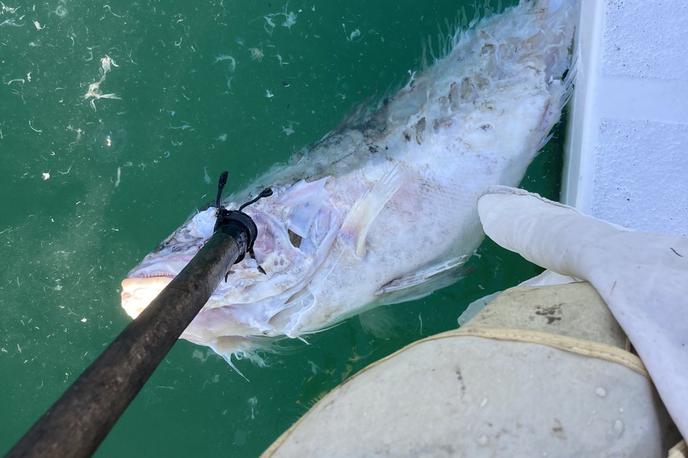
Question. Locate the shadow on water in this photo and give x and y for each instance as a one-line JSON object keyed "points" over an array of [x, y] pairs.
{"points": [[91, 184]]}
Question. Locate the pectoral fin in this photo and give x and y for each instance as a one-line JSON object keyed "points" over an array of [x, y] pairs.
{"points": [[422, 282], [361, 216]]}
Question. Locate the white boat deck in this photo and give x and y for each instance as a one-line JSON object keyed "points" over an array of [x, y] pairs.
{"points": [[627, 149]]}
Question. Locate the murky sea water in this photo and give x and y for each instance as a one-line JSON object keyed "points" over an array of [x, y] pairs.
{"points": [[115, 120]]}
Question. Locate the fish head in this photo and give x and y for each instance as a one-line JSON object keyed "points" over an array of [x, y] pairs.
{"points": [[296, 227]]}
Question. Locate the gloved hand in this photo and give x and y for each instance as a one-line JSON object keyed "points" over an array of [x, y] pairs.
{"points": [[642, 277]]}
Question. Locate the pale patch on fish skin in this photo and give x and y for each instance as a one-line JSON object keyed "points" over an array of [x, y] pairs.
{"points": [[256, 54]]}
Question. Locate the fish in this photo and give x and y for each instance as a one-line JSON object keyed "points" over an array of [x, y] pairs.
{"points": [[383, 209]]}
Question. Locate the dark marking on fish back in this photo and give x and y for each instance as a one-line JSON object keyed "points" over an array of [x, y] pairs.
{"points": [[454, 97], [420, 130]]}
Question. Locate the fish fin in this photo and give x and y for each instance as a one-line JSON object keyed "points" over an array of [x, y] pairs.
{"points": [[240, 348], [422, 282], [380, 322], [365, 210]]}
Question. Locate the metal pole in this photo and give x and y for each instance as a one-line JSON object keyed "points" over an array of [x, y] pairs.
{"points": [[78, 422]]}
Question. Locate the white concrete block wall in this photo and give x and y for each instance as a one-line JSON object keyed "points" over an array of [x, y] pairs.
{"points": [[627, 149]]}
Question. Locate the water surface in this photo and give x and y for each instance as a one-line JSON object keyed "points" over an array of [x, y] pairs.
{"points": [[90, 185]]}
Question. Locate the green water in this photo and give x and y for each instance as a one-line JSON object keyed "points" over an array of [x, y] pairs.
{"points": [[87, 193]]}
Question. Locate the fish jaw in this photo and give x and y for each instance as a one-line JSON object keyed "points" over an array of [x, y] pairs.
{"points": [[138, 293], [296, 228]]}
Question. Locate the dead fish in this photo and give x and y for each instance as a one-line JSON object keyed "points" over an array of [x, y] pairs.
{"points": [[384, 209]]}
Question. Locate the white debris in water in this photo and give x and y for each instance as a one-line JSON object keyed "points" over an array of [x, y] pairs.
{"points": [[45, 176], [353, 35], [256, 54], [10, 23], [119, 176], [106, 64], [78, 131], [601, 392], [108, 141], [8, 9], [288, 19], [200, 355], [228, 58], [109, 9], [38, 25], [183, 126], [269, 94], [83, 320], [60, 11], [93, 93], [33, 128], [252, 403], [288, 130]]}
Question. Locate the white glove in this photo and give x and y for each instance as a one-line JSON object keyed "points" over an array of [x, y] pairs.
{"points": [[642, 277]]}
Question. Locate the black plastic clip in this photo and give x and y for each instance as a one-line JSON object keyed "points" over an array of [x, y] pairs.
{"points": [[226, 218]]}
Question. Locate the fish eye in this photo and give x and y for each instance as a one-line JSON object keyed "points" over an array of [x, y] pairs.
{"points": [[294, 238]]}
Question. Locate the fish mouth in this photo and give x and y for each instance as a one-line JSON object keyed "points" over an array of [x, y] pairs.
{"points": [[139, 292]]}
